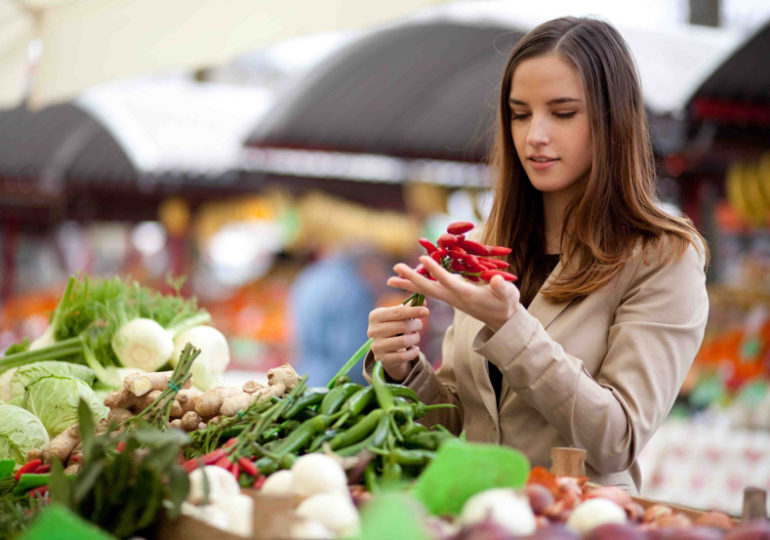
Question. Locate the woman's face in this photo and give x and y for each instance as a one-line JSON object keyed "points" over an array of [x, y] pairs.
{"points": [[549, 123]]}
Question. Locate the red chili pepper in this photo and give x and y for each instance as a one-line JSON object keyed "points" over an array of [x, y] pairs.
{"points": [[437, 255], [495, 263], [214, 456], [472, 278], [459, 227], [420, 269], [190, 465], [472, 264], [39, 490], [231, 441], [457, 252], [456, 265], [447, 241], [120, 446], [248, 466], [258, 482], [427, 244], [224, 462], [474, 247], [76, 458], [43, 469], [28, 468], [498, 250], [489, 274], [236, 470]]}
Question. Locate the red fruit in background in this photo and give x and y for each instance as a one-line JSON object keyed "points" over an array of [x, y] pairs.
{"points": [[447, 241], [459, 227], [540, 497], [615, 531], [615, 494], [716, 520]]}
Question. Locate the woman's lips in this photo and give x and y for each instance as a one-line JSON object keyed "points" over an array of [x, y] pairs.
{"points": [[542, 165]]}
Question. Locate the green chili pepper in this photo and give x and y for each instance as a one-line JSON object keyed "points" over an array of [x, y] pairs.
{"points": [[337, 396], [421, 409], [374, 440], [412, 457], [266, 465], [321, 438], [402, 391], [429, 440], [312, 396], [391, 472], [381, 390], [360, 430], [290, 425], [342, 379], [270, 434], [370, 479], [300, 437], [356, 405]]}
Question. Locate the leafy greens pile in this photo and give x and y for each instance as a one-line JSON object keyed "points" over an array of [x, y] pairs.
{"points": [[89, 314]]}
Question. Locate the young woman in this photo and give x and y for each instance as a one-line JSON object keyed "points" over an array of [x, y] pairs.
{"points": [[591, 348]]}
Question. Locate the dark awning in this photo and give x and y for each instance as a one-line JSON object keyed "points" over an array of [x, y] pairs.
{"points": [[414, 91]]}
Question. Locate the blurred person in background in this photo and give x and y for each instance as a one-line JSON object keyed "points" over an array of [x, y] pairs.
{"points": [[329, 305], [590, 347]]}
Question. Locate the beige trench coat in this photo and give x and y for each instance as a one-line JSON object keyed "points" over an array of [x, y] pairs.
{"points": [[599, 373]]}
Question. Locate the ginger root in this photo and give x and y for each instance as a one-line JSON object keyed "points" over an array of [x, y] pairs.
{"points": [[252, 386], [210, 402], [62, 445], [141, 383], [239, 402], [282, 378], [191, 420], [187, 398]]}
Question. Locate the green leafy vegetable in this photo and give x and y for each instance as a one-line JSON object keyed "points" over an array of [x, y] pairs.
{"points": [[20, 432], [91, 311]]}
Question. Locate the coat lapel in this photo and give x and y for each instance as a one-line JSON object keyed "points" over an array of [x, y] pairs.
{"points": [[545, 310]]}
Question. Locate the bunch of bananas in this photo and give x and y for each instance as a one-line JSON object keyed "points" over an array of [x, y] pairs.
{"points": [[748, 190]]}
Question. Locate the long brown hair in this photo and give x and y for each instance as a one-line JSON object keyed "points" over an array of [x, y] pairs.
{"points": [[617, 206]]}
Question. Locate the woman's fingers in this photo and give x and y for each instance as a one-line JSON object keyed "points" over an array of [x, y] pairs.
{"points": [[387, 345], [397, 358], [393, 328], [397, 313]]}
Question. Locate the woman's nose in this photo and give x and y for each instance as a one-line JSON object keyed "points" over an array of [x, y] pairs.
{"points": [[538, 132]]}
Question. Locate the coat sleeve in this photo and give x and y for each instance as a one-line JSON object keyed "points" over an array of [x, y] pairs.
{"points": [[433, 386], [657, 330]]}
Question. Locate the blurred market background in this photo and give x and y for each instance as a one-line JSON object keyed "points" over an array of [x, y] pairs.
{"points": [[283, 159]]}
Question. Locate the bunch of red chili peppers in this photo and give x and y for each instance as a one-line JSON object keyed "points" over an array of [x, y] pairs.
{"points": [[243, 469], [38, 484], [460, 255]]}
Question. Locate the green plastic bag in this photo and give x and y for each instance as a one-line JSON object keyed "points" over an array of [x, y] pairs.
{"points": [[461, 469]]}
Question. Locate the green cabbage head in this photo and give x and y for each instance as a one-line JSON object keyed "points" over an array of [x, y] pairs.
{"points": [[51, 391], [20, 432]]}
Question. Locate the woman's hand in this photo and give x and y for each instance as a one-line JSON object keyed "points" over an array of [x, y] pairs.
{"points": [[492, 304], [395, 333]]}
